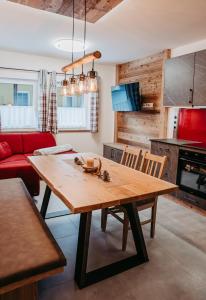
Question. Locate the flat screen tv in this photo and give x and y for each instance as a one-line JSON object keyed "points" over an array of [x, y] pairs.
{"points": [[126, 97]]}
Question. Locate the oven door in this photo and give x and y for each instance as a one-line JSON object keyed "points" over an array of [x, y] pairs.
{"points": [[192, 177]]}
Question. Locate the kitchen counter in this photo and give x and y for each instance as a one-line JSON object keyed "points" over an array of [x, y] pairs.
{"points": [[182, 143], [121, 146], [176, 142], [185, 167]]}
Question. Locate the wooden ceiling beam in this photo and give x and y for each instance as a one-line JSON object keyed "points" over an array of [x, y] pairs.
{"points": [[95, 8], [84, 60]]}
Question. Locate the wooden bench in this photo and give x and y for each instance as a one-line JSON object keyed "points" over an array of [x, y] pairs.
{"points": [[28, 251]]}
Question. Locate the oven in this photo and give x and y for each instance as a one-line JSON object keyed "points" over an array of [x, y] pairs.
{"points": [[191, 175]]}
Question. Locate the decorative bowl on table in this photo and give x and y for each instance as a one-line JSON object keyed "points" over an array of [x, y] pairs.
{"points": [[90, 169]]}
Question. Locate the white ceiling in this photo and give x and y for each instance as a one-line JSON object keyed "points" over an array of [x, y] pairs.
{"points": [[134, 29]]}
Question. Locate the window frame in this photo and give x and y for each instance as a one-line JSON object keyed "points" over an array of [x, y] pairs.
{"points": [[19, 81], [87, 128], [34, 83]]}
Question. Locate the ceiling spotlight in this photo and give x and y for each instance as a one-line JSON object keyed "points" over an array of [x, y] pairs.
{"points": [[66, 45]]}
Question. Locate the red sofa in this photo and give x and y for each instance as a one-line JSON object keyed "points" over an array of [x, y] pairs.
{"points": [[17, 165]]}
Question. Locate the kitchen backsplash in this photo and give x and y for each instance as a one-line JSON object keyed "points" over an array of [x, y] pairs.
{"points": [[192, 124]]}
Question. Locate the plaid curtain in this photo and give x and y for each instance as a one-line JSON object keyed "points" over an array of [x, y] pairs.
{"points": [[52, 104], [94, 112], [43, 100]]}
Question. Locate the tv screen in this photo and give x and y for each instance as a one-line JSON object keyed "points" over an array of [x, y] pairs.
{"points": [[126, 97]]}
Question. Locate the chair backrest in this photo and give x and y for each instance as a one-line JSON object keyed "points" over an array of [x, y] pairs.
{"points": [[130, 157], [153, 165]]}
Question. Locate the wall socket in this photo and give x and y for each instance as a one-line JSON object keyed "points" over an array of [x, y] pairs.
{"points": [[148, 105]]}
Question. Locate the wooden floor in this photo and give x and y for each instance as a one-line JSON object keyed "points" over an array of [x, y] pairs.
{"points": [[177, 267]]}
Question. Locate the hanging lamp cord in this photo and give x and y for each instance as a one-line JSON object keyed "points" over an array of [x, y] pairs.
{"points": [[73, 36], [85, 29], [85, 23]]}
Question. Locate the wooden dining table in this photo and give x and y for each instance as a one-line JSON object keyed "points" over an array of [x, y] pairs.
{"points": [[83, 193]]}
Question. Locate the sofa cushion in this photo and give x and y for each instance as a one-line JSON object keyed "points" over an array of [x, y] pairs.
{"points": [[23, 170], [5, 150], [28, 154], [68, 152], [15, 157], [14, 140], [53, 150], [36, 140], [10, 169]]}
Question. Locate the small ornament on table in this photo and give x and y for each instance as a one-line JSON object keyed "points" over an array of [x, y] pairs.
{"points": [[78, 161], [90, 162], [91, 167], [105, 176]]}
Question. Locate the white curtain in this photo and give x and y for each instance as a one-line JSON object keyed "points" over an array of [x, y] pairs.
{"points": [[18, 117], [72, 117]]}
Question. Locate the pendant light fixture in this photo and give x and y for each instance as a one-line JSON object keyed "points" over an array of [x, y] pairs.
{"points": [[73, 88], [92, 80], [82, 79], [81, 84], [64, 86]]}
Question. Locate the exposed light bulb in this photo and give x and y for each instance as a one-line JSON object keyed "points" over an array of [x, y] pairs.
{"points": [[82, 84], [92, 80], [64, 88], [73, 88], [92, 85]]}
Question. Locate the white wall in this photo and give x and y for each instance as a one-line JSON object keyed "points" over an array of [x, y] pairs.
{"points": [[189, 48], [81, 141]]}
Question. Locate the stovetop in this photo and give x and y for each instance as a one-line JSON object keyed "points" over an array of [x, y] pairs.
{"points": [[183, 143], [197, 145]]}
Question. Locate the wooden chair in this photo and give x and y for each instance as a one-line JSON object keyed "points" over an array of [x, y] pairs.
{"points": [[130, 158], [152, 165]]}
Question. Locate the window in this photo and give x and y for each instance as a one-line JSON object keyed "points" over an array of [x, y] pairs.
{"points": [[19, 107], [22, 98], [17, 104], [72, 112]]}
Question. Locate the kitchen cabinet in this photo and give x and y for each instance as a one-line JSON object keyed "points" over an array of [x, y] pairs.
{"points": [[178, 80], [172, 149], [112, 152], [192, 199], [115, 151], [172, 154], [199, 96], [185, 80]]}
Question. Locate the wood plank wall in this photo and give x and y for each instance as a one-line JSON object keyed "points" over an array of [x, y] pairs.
{"points": [[137, 128], [95, 8]]}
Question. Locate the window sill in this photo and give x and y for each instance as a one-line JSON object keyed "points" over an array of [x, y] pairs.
{"points": [[36, 130], [19, 130], [73, 130]]}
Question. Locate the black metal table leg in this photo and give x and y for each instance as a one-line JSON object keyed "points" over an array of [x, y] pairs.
{"points": [[136, 228], [82, 248], [45, 202], [84, 278]]}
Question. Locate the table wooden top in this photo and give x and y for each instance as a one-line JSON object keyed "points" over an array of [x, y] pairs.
{"points": [[83, 192]]}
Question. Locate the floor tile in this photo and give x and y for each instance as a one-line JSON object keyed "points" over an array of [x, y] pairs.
{"points": [[175, 271]]}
